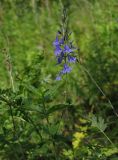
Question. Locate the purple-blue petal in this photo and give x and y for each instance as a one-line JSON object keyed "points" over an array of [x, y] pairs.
{"points": [[57, 51], [58, 78], [67, 49], [59, 59], [71, 59], [56, 42], [61, 41], [66, 69]]}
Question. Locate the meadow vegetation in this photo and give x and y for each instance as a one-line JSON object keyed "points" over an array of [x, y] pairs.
{"points": [[75, 118]]}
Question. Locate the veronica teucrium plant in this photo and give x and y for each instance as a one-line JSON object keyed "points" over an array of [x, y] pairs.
{"points": [[65, 52]]}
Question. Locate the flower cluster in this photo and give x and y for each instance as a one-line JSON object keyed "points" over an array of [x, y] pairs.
{"points": [[65, 54]]}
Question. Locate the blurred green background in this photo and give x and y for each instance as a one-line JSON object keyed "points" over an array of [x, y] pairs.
{"points": [[27, 30]]}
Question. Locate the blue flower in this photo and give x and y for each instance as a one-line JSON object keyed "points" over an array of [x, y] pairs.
{"points": [[66, 69], [56, 42], [60, 58], [64, 52], [58, 78], [58, 50], [67, 49], [71, 59], [61, 41]]}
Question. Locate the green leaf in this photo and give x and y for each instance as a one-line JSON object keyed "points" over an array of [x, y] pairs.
{"points": [[58, 108], [98, 123], [53, 129]]}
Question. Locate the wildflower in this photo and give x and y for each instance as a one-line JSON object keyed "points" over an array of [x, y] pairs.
{"points": [[67, 49], [61, 41], [59, 59], [56, 42], [58, 78], [66, 69], [71, 59], [64, 50], [57, 50]]}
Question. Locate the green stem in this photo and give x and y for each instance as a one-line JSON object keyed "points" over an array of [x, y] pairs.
{"points": [[12, 81], [106, 136]]}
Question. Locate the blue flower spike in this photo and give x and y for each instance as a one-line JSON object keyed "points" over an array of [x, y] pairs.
{"points": [[64, 52]]}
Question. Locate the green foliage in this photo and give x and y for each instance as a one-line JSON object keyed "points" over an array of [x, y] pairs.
{"points": [[99, 123]]}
